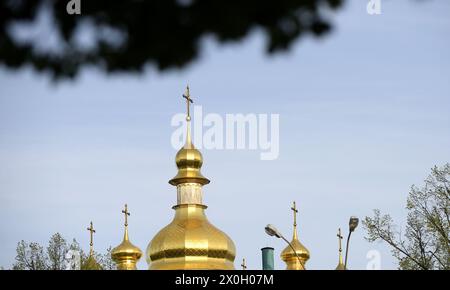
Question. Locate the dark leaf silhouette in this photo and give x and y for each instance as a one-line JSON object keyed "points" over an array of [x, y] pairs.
{"points": [[128, 35]]}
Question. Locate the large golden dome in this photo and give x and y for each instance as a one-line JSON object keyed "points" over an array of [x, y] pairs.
{"points": [[190, 241]]}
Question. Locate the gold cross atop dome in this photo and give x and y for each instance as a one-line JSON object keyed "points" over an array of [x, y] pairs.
{"points": [[190, 241], [340, 265], [295, 210], [91, 244], [340, 237], [189, 101], [126, 255], [244, 267], [296, 254], [127, 214]]}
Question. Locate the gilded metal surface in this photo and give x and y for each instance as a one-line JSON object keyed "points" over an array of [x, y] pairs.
{"points": [[126, 255], [190, 241], [289, 256], [189, 161], [340, 265], [90, 264]]}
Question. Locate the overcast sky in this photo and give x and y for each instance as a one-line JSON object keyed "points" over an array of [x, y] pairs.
{"points": [[363, 116]]}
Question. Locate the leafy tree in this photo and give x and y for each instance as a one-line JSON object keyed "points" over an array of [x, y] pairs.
{"points": [[128, 35], [30, 257], [56, 251], [106, 260], [425, 243]]}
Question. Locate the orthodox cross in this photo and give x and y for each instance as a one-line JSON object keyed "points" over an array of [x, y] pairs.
{"points": [[92, 231], [340, 240], [127, 214], [189, 101], [244, 267], [295, 210]]}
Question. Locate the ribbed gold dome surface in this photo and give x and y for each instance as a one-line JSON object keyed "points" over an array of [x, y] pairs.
{"points": [[189, 161], [290, 258], [190, 241]]}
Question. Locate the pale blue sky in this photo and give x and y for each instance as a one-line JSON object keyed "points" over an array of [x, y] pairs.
{"points": [[363, 116]]}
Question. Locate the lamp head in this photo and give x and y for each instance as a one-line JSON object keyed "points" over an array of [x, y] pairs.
{"points": [[271, 230], [353, 223]]}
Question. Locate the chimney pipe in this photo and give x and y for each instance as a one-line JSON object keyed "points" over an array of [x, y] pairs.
{"points": [[267, 258]]}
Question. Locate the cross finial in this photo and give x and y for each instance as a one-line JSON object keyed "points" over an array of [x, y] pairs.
{"points": [[91, 244], [340, 240], [127, 214], [244, 267], [295, 210], [189, 101]]}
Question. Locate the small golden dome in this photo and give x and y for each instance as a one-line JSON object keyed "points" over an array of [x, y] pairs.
{"points": [[189, 162], [290, 258], [126, 255], [190, 241], [296, 256], [90, 264]]}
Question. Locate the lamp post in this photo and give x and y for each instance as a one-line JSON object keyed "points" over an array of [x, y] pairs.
{"points": [[352, 224], [272, 231]]}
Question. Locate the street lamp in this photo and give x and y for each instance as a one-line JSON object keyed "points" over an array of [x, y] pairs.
{"points": [[272, 231], [352, 224]]}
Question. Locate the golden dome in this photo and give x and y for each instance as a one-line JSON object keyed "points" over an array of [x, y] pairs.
{"points": [[296, 256], [90, 264], [126, 255], [290, 257], [190, 241], [189, 162]]}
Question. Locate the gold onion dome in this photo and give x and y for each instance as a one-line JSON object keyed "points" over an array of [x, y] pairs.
{"points": [[296, 256], [189, 162], [190, 241], [126, 255]]}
